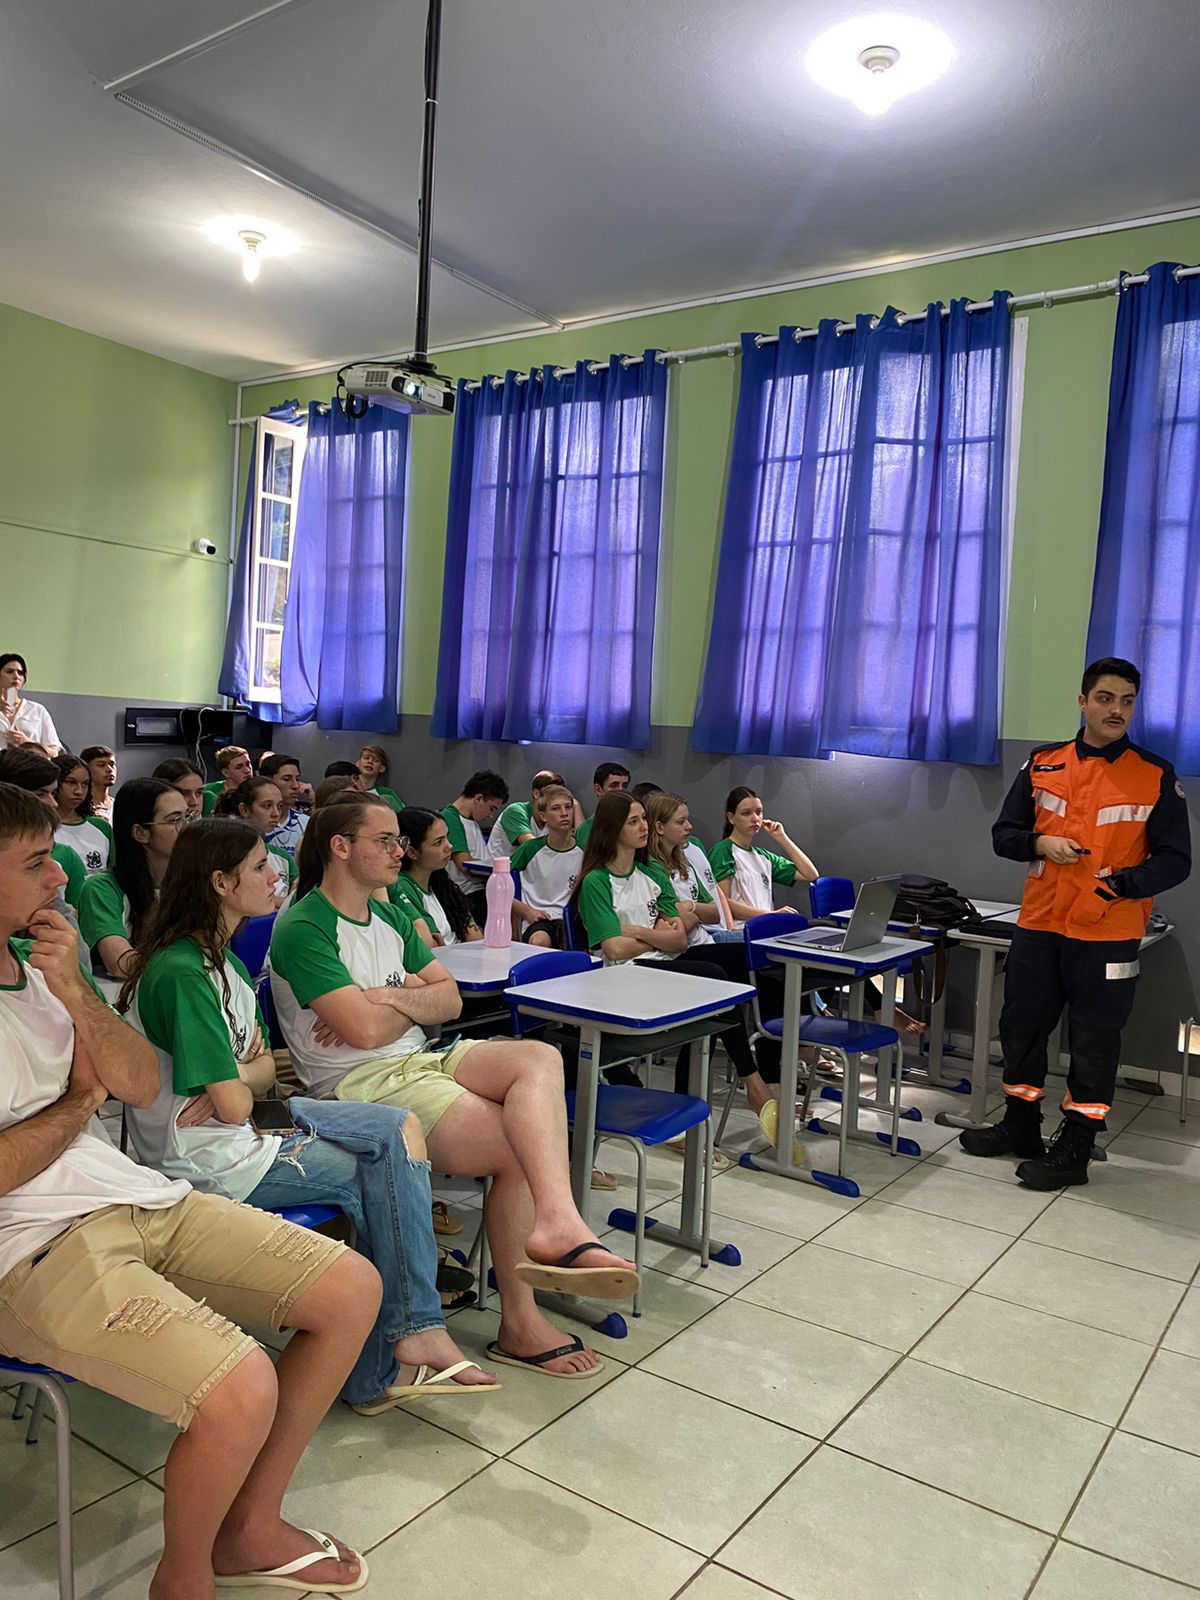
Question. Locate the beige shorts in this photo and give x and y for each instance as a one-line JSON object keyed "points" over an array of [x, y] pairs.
{"points": [[135, 1302], [423, 1082]]}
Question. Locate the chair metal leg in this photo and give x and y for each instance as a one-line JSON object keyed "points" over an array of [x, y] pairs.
{"points": [[706, 1212], [24, 1398], [48, 1388], [849, 1106], [479, 1251], [733, 1087], [35, 1416], [639, 1227]]}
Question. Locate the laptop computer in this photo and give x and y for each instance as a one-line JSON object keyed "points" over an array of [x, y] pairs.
{"points": [[868, 921]]}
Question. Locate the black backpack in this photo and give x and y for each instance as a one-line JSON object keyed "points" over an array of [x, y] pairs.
{"points": [[931, 902]]}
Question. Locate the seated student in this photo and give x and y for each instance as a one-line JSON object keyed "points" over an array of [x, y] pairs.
{"points": [[549, 868], [437, 908], [115, 905], [482, 797], [354, 988], [284, 771], [372, 765], [345, 769], [195, 1003], [89, 836], [102, 769], [521, 819], [187, 779], [610, 777], [39, 776], [259, 802], [95, 1250], [22, 721], [235, 766], [328, 790], [696, 856], [746, 871]]}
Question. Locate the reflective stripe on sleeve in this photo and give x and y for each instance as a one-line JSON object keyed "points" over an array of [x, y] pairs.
{"points": [[1110, 814], [1121, 969], [1050, 802], [1096, 1112]]}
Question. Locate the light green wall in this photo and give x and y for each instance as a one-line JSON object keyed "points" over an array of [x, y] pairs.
{"points": [[111, 462], [1058, 491]]}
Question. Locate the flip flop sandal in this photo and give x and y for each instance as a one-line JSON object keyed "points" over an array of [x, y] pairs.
{"points": [[768, 1122], [601, 1283], [284, 1577], [460, 1301], [443, 1222], [602, 1180], [451, 1278], [538, 1363], [425, 1385], [720, 1161]]}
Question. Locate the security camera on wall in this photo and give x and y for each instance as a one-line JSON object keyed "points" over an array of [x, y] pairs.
{"points": [[204, 547]]}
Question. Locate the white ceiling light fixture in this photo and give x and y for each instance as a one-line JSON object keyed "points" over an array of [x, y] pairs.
{"points": [[876, 60], [252, 239]]}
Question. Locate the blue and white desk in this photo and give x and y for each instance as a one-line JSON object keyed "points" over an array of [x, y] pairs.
{"points": [[628, 1000], [478, 970], [477, 869], [853, 967]]}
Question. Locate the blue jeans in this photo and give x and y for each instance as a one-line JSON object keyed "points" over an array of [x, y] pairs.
{"points": [[726, 936], [354, 1157]]}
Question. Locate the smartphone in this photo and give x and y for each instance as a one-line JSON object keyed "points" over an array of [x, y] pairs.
{"points": [[273, 1116], [10, 697]]}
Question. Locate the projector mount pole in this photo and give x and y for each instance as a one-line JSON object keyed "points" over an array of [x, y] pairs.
{"points": [[433, 38]]}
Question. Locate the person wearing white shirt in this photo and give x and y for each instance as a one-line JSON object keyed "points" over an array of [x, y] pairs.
{"points": [[102, 768], [23, 721], [548, 868], [94, 1252]]}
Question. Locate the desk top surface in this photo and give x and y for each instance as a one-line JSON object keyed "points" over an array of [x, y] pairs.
{"points": [[888, 952], [474, 967], [630, 996]]}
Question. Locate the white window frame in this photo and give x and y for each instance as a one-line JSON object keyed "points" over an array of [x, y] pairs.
{"points": [[266, 430]]}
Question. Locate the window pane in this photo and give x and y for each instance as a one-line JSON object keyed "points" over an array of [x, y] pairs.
{"points": [[278, 459], [267, 645], [270, 595], [275, 535]]}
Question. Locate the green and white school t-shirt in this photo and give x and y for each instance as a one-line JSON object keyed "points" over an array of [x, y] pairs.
{"points": [[179, 1005], [210, 794], [104, 911], [315, 950], [752, 873], [388, 796], [582, 831], [91, 840], [70, 863], [697, 859], [547, 875], [464, 835], [513, 820], [287, 870], [610, 903], [691, 887], [408, 894]]}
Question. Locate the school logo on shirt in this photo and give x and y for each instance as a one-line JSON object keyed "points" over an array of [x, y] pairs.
{"points": [[394, 980], [94, 861], [652, 911], [239, 1041]]}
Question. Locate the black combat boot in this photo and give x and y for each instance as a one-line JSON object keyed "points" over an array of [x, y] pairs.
{"points": [[1018, 1133], [1066, 1160]]}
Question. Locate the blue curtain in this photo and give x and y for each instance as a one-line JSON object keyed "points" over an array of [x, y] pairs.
{"points": [[858, 598], [1146, 595], [341, 632], [552, 557]]}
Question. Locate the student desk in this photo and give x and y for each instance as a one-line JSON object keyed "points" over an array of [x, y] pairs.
{"points": [[874, 960], [478, 970], [477, 869], [630, 1000]]}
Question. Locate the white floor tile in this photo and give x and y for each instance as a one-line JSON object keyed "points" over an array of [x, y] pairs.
{"points": [[118, 1543], [1123, 1239], [759, 1249], [1184, 1333], [1043, 1358], [1139, 1178], [1075, 1574], [512, 1536], [843, 1529], [995, 1449], [27, 1501], [964, 1198], [136, 1438], [797, 1209], [668, 1306], [1096, 1293], [881, 1304], [1160, 1120], [934, 1246], [668, 1458], [717, 1583], [1141, 1507], [1169, 1157], [793, 1372], [1167, 1405]]}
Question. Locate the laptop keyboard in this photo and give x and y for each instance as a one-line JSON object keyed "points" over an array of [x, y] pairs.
{"points": [[827, 941]]}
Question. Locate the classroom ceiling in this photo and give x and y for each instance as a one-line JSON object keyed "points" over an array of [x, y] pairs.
{"points": [[595, 156]]}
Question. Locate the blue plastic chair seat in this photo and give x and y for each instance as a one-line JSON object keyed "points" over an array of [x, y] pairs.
{"points": [[11, 1364], [252, 941], [308, 1216], [651, 1116], [836, 1034]]}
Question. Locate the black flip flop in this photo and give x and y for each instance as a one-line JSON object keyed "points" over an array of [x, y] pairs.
{"points": [[562, 1277], [539, 1363]]}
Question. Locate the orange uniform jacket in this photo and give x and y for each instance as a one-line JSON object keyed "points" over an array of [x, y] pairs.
{"points": [[1126, 807]]}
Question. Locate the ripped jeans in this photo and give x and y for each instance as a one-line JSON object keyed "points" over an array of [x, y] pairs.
{"points": [[354, 1157]]}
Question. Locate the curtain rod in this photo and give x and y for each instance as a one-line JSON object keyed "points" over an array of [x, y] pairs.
{"points": [[1044, 297]]}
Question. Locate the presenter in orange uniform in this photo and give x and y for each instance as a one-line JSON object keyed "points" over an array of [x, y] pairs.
{"points": [[1104, 827]]}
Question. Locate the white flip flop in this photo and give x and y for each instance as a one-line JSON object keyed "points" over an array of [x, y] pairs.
{"points": [[425, 1385], [284, 1577]]}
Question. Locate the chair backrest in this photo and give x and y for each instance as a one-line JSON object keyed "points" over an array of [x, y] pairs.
{"points": [[251, 942], [573, 929], [536, 969], [769, 926], [266, 1004], [827, 895]]}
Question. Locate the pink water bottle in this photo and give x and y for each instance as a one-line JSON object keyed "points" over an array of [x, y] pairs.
{"points": [[498, 932]]}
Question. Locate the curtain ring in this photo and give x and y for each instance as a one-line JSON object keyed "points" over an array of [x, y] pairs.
{"points": [[1175, 271]]}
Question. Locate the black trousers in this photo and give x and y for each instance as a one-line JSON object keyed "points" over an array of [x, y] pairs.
{"points": [[727, 963], [1095, 981]]}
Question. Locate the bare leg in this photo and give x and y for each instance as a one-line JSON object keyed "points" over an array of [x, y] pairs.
{"points": [[542, 940], [332, 1318], [470, 1139]]}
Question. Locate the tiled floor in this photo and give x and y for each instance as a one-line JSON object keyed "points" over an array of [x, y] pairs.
{"points": [[950, 1389]]}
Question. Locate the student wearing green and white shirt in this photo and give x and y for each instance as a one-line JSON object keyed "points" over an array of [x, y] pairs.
{"points": [[259, 802], [235, 766], [187, 778], [549, 869], [101, 763], [372, 765], [437, 907], [88, 835], [476, 808], [521, 819], [610, 777], [746, 871], [285, 770], [195, 1003], [147, 817], [355, 989], [38, 775]]}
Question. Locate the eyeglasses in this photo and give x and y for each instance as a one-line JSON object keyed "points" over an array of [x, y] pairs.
{"points": [[176, 820], [393, 843]]}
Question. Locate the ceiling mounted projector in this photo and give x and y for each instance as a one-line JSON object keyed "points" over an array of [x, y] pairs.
{"points": [[401, 386]]}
